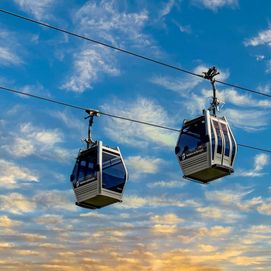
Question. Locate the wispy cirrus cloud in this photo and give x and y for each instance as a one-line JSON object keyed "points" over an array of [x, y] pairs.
{"points": [[166, 184], [9, 57], [106, 21], [40, 9], [55, 199], [14, 176], [235, 199], [214, 5], [265, 208], [263, 38], [31, 140], [219, 214], [138, 165], [135, 134], [249, 120], [135, 202], [16, 203], [89, 65], [183, 86], [260, 161], [198, 97], [166, 9], [6, 222], [268, 67]]}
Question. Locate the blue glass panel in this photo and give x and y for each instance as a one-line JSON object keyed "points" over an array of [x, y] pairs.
{"points": [[85, 169], [233, 148], [213, 141], [219, 138], [113, 173], [193, 137], [227, 140]]}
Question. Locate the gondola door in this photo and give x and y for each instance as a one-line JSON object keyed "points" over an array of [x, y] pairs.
{"points": [[226, 161], [217, 141]]}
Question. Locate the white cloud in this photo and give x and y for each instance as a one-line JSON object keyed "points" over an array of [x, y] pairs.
{"points": [[14, 176], [31, 140], [55, 199], [139, 135], [186, 84], [167, 7], [260, 57], [106, 18], [216, 4], [169, 218], [8, 57], [137, 165], [234, 199], [260, 161], [167, 184], [233, 97], [226, 196], [89, 64], [106, 21], [265, 207], [249, 120], [40, 9], [135, 202], [181, 86], [263, 37], [215, 231], [268, 67], [6, 222], [16, 203], [69, 120], [264, 88], [219, 213]]}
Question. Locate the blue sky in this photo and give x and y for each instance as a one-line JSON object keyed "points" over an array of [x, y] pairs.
{"points": [[164, 222]]}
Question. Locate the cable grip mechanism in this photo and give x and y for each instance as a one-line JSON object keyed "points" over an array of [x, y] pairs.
{"points": [[210, 75], [91, 114]]}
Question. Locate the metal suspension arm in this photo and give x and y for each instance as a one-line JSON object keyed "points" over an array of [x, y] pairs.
{"points": [[210, 75], [91, 114]]}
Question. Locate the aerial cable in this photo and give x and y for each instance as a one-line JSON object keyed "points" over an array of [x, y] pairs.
{"points": [[98, 42], [110, 115], [88, 110], [128, 52]]}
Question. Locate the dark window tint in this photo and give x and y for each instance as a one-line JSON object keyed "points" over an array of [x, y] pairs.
{"points": [[192, 137], [213, 141], [114, 174], [227, 140], [87, 166], [74, 173], [233, 148], [82, 170], [219, 138]]}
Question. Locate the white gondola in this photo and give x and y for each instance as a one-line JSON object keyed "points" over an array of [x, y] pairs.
{"points": [[99, 175], [206, 148]]}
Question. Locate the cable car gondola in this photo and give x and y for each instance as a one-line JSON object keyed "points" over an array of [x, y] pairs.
{"points": [[99, 174], [206, 148]]}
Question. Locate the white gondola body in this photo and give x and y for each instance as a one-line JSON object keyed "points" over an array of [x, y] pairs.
{"points": [[93, 189], [214, 154]]}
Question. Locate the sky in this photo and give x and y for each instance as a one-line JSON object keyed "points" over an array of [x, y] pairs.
{"points": [[165, 222]]}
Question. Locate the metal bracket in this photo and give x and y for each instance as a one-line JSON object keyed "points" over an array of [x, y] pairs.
{"points": [[91, 114], [210, 75]]}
